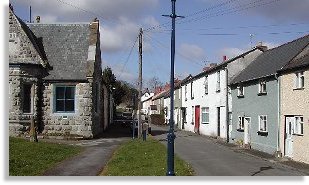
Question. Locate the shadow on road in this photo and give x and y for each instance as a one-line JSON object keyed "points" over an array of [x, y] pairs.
{"points": [[262, 169], [116, 131], [158, 132]]}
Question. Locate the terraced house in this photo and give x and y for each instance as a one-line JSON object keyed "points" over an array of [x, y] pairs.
{"points": [[256, 95], [206, 96], [294, 108], [55, 77]]}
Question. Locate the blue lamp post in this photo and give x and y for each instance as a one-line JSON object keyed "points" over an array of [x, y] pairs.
{"points": [[171, 136]]}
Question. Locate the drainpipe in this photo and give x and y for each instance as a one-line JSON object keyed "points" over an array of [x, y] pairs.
{"points": [[227, 106], [279, 114]]}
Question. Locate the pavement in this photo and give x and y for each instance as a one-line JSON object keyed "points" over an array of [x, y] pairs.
{"points": [[212, 157], [95, 155]]}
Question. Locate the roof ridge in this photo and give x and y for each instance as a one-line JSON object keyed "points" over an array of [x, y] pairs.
{"points": [[288, 43]]}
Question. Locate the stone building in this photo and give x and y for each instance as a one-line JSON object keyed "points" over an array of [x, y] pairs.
{"points": [[55, 76]]}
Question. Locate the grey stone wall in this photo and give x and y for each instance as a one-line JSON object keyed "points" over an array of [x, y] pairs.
{"points": [[77, 124], [19, 122]]}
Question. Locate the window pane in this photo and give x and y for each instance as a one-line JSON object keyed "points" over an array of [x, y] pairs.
{"points": [[59, 105], [27, 99], [69, 92], [69, 105], [60, 92]]}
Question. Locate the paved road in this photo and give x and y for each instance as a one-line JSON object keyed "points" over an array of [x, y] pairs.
{"points": [[209, 158], [95, 156]]}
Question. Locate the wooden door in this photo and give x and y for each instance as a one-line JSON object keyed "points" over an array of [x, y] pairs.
{"points": [[197, 119]]}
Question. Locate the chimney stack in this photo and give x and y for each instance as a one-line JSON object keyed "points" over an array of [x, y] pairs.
{"points": [[261, 46], [212, 65], [224, 58], [38, 19]]}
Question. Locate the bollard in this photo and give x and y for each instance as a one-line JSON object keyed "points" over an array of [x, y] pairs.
{"points": [[144, 135]]}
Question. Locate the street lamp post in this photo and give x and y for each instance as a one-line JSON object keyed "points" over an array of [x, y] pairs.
{"points": [[171, 135]]}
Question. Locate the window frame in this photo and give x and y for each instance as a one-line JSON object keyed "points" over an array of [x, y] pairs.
{"points": [[261, 84], [192, 94], [186, 92], [218, 84], [30, 98], [206, 85], [241, 124], [240, 91], [55, 99], [299, 82], [206, 112], [301, 123], [266, 123]]}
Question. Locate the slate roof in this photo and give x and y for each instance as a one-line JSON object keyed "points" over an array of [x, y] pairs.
{"points": [[66, 48], [269, 62], [300, 61]]}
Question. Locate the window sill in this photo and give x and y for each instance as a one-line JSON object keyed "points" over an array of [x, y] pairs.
{"points": [[205, 123], [262, 133], [240, 96], [298, 134], [298, 89], [240, 130], [262, 94]]}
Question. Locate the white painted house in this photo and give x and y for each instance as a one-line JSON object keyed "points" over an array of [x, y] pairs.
{"points": [[206, 98], [147, 102]]}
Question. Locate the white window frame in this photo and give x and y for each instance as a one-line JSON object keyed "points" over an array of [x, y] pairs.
{"points": [[261, 89], [299, 80], [205, 111], [192, 120], [206, 85], [186, 91], [192, 94], [240, 91], [260, 120], [299, 125], [218, 82], [241, 123]]}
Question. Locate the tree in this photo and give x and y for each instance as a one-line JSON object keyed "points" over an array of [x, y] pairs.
{"points": [[153, 83], [108, 77]]}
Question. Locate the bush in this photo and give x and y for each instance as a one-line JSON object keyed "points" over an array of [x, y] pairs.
{"points": [[157, 119]]}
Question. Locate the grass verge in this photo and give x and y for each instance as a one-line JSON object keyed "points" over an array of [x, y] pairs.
{"points": [[143, 158], [30, 159]]}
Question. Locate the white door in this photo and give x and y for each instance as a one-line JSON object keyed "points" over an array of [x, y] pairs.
{"points": [[247, 122], [289, 122]]}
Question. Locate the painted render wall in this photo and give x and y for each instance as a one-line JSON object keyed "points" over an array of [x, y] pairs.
{"points": [[212, 100], [295, 102], [252, 105]]}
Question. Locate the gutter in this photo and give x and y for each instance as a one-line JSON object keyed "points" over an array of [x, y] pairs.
{"points": [[279, 114]]}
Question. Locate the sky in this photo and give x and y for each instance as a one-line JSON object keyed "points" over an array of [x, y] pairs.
{"points": [[210, 30]]}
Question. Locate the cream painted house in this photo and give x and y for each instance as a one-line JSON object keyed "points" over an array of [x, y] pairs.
{"points": [[294, 94]]}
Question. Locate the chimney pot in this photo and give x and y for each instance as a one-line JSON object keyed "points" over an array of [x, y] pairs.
{"points": [[38, 19]]}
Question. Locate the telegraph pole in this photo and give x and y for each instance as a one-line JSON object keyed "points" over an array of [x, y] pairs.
{"points": [[140, 83], [171, 135]]}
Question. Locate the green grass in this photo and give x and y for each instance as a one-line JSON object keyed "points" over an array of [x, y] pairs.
{"points": [[140, 158], [29, 159]]}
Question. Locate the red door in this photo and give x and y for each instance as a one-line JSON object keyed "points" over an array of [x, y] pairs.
{"points": [[197, 119]]}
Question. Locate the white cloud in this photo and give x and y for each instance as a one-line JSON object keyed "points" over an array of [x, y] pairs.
{"points": [[231, 52], [192, 51]]}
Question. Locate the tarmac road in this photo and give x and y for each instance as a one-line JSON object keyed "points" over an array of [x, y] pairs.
{"points": [[210, 158]]}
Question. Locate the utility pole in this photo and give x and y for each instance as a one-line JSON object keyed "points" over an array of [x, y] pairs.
{"points": [[30, 15], [140, 83], [171, 135]]}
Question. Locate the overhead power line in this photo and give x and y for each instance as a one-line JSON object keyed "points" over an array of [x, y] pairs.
{"points": [[128, 58]]}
